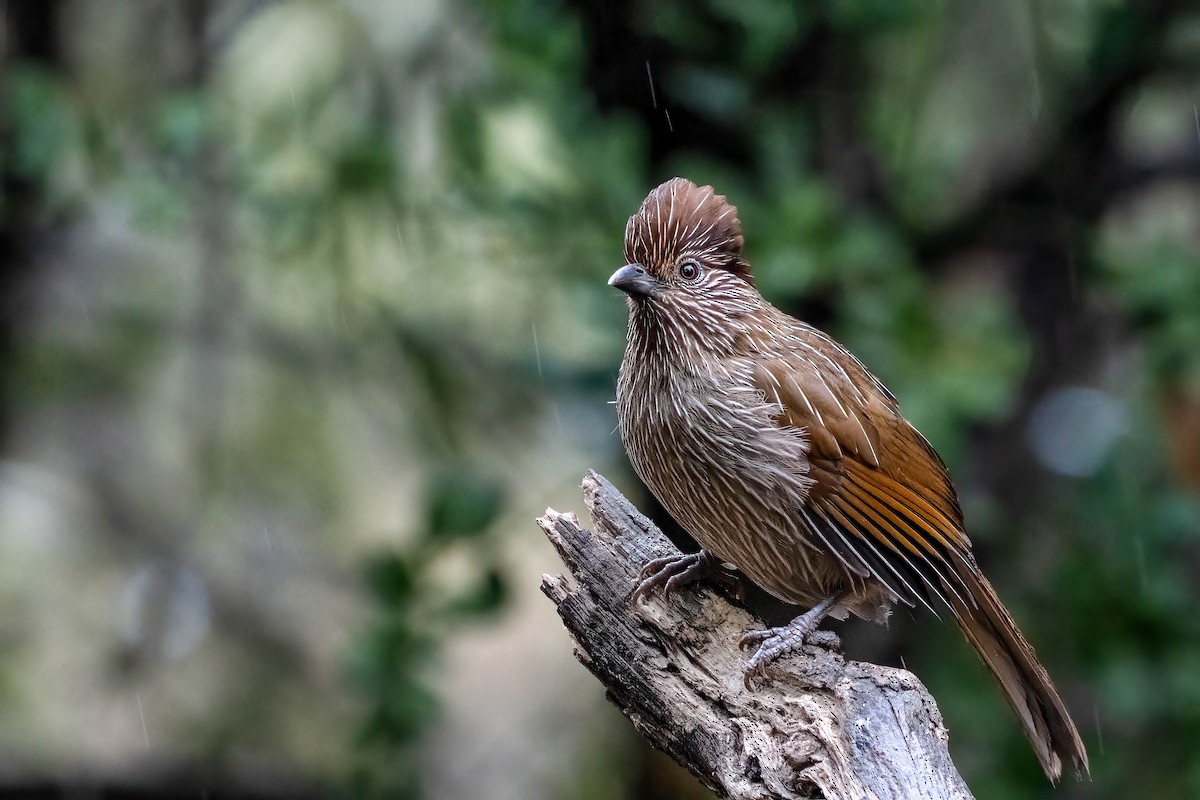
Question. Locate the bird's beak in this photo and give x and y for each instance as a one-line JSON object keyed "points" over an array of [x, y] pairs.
{"points": [[635, 281]]}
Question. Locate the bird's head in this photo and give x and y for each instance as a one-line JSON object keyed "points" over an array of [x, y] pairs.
{"points": [[684, 267], [685, 239]]}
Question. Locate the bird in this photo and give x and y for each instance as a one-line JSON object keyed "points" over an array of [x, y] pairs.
{"points": [[782, 455]]}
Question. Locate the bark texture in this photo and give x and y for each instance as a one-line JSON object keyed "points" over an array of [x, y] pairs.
{"points": [[823, 727]]}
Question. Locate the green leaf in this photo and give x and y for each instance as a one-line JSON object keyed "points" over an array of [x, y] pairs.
{"points": [[462, 505], [390, 579], [487, 595]]}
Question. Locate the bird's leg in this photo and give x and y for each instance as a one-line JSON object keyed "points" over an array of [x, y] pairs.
{"points": [[672, 572], [776, 642]]}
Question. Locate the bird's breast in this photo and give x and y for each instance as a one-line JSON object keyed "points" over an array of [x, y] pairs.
{"points": [[710, 448]]}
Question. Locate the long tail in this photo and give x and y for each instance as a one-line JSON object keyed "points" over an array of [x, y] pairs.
{"points": [[995, 636]]}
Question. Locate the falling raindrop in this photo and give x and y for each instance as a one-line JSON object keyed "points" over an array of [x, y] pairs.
{"points": [[270, 549], [142, 716], [537, 352]]}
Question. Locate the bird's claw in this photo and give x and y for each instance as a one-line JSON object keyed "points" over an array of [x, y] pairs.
{"points": [[752, 673], [774, 643], [669, 573], [759, 636]]}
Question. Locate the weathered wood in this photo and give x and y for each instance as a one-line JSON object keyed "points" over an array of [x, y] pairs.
{"points": [[821, 727]]}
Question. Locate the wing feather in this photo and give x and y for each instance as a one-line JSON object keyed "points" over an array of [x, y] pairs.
{"points": [[933, 570], [882, 501], [883, 569]]}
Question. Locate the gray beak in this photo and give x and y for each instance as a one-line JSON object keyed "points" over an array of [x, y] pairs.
{"points": [[635, 281]]}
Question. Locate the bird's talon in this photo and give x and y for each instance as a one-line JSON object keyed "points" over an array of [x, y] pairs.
{"points": [[653, 567], [756, 637], [670, 573], [754, 671]]}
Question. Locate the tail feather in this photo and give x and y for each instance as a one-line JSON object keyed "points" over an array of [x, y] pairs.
{"points": [[1027, 687]]}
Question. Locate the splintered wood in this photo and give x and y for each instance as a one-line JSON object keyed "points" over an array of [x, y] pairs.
{"points": [[822, 727]]}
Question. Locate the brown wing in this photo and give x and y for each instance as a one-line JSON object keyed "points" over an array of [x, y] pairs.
{"points": [[882, 502]]}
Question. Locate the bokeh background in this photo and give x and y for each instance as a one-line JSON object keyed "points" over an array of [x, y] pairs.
{"points": [[304, 320]]}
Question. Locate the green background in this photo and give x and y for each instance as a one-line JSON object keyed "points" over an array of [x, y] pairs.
{"points": [[304, 320]]}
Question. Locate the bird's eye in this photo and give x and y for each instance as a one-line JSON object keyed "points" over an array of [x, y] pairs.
{"points": [[689, 270]]}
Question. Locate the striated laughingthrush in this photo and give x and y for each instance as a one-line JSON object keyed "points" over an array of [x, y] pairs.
{"points": [[781, 454]]}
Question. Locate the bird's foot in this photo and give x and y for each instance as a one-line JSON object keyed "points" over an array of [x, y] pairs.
{"points": [[673, 572], [774, 643]]}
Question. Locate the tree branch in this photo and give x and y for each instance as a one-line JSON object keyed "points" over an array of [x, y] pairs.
{"points": [[822, 727]]}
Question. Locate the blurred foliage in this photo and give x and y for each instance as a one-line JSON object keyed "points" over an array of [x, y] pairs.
{"points": [[334, 268], [414, 611]]}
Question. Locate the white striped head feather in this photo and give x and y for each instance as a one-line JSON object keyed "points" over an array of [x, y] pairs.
{"points": [[680, 221]]}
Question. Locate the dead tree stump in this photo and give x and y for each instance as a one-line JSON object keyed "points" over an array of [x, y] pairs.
{"points": [[823, 727]]}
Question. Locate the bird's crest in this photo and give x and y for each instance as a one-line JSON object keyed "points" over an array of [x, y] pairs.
{"points": [[680, 218]]}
